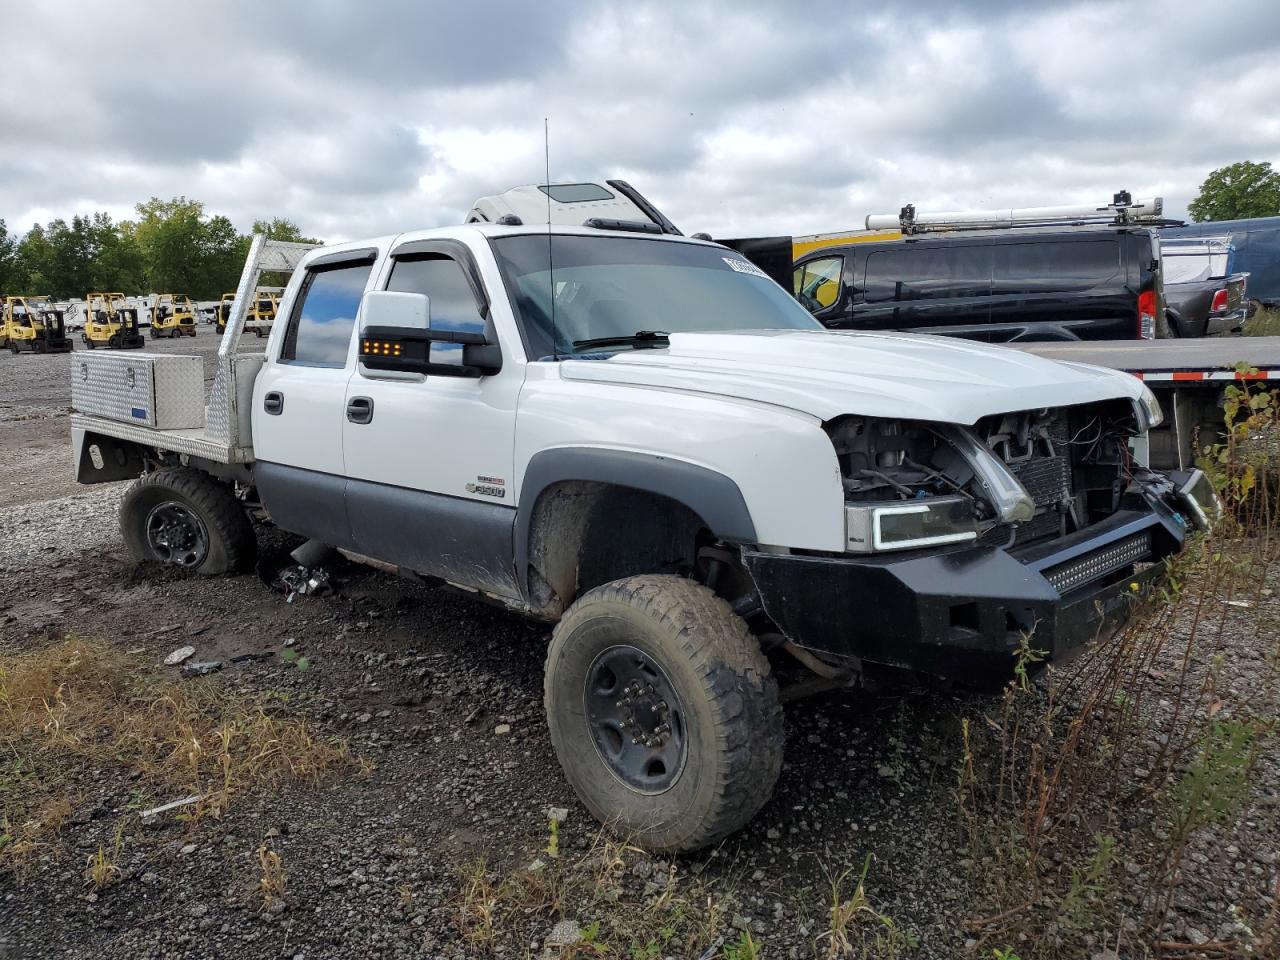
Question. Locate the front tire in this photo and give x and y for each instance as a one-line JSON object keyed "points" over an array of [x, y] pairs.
{"points": [[182, 517], [663, 712]]}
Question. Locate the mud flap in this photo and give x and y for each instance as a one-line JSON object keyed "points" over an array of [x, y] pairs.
{"points": [[101, 459]]}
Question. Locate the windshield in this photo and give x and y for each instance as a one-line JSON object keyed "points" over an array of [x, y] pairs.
{"points": [[616, 287]]}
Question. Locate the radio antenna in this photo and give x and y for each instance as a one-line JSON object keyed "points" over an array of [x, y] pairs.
{"points": [[551, 263]]}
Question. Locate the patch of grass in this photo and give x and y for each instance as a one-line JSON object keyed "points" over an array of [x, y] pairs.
{"points": [[857, 928], [272, 879], [619, 915], [1264, 323], [76, 712], [630, 905], [102, 869], [744, 948]]}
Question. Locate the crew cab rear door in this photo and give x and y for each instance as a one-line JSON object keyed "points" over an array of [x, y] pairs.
{"points": [[429, 458], [299, 400]]}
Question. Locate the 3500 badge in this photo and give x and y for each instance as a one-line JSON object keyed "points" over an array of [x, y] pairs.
{"points": [[488, 487]]}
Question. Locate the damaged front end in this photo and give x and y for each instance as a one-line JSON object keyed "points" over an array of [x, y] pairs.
{"points": [[965, 545]]}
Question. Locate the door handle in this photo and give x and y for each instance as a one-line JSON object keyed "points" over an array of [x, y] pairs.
{"points": [[273, 403], [360, 409]]}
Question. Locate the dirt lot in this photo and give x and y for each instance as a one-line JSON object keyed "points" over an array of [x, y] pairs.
{"points": [[442, 698]]}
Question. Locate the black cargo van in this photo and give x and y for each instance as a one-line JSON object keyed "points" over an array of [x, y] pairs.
{"points": [[1064, 283]]}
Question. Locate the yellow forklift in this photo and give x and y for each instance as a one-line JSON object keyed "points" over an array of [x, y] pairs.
{"points": [[173, 315], [33, 324], [110, 322], [224, 311], [262, 313]]}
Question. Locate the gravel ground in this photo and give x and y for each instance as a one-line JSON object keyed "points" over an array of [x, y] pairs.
{"points": [[444, 696]]}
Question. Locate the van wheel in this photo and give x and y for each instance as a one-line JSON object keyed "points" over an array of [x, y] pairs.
{"points": [[663, 711], [185, 518]]}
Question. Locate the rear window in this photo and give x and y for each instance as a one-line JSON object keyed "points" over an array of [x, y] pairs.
{"points": [[925, 273], [1053, 267], [319, 331]]}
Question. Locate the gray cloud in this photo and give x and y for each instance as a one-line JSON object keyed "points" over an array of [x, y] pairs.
{"points": [[744, 117]]}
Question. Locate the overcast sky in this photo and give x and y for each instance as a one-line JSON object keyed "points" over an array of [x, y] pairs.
{"points": [[740, 118]]}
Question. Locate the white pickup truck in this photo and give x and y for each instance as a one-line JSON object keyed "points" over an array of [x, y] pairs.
{"points": [[639, 437]]}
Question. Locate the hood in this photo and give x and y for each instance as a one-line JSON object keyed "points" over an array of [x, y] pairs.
{"points": [[827, 374]]}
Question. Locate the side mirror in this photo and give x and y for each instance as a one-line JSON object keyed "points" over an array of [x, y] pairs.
{"points": [[410, 312], [396, 336]]}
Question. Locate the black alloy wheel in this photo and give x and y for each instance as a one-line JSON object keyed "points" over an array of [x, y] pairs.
{"points": [[637, 719], [177, 535]]}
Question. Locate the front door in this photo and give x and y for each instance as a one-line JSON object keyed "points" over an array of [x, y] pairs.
{"points": [[299, 403], [429, 459]]}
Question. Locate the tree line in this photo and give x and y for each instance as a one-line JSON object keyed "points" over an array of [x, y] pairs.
{"points": [[172, 247]]}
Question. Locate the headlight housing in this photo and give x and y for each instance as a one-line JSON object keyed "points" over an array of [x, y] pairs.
{"points": [[1149, 412], [909, 524]]}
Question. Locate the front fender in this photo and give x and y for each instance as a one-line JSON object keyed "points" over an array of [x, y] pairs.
{"points": [[714, 497], [779, 463]]}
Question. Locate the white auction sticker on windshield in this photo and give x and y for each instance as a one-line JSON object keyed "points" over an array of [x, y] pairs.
{"points": [[745, 266]]}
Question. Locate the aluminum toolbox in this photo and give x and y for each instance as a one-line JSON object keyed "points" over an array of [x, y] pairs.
{"points": [[155, 390]]}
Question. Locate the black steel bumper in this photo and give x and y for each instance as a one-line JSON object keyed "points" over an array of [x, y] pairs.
{"points": [[962, 613]]}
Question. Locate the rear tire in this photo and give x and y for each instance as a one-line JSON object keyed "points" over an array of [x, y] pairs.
{"points": [[676, 656], [182, 517]]}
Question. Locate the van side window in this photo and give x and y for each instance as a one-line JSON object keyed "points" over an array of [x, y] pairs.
{"points": [[817, 283], [926, 273], [1055, 267], [453, 305], [319, 331]]}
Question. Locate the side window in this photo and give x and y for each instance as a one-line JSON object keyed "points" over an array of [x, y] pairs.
{"points": [[320, 326], [927, 273], [453, 305], [817, 283], [1049, 267]]}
